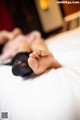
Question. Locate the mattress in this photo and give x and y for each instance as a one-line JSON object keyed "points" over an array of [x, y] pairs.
{"points": [[53, 95]]}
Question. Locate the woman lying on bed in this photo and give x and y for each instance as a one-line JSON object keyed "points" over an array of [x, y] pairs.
{"points": [[40, 59]]}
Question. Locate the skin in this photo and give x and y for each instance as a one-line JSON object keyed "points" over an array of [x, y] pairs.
{"points": [[39, 60], [6, 35]]}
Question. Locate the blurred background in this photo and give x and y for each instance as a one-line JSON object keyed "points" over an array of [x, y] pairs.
{"points": [[46, 16]]}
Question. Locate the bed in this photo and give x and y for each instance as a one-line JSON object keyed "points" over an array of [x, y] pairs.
{"points": [[54, 95]]}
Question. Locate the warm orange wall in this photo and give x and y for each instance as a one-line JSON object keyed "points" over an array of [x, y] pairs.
{"points": [[70, 8]]}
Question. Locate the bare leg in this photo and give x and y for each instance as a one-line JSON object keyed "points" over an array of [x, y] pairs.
{"points": [[24, 47], [39, 44], [15, 46], [41, 59], [20, 43]]}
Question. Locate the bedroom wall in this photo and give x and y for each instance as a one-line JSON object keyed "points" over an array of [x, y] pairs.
{"points": [[70, 8], [28, 15], [50, 18]]}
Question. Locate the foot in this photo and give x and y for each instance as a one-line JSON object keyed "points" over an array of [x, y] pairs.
{"points": [[13, 34], [3, 37], [7, 35], [40, 61]]}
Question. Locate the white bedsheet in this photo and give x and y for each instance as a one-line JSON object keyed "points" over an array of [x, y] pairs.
{"points": [[54, 95]]}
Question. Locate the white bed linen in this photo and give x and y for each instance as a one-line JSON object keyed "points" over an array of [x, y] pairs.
{"points": [[54, 95]]}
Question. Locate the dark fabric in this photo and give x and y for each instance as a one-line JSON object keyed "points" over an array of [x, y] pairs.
{"points": [[23, 68], [6, 21], [1, 46]]}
